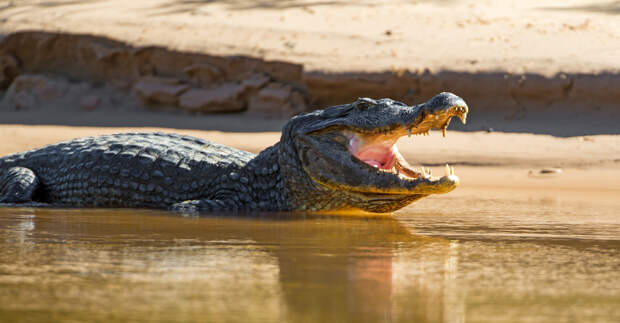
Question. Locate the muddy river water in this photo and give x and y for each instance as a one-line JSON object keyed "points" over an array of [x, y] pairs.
{"points": [[475, 255]]}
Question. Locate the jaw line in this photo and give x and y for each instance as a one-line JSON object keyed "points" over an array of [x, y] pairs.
{"points": [[385, 158], [390, 173]]}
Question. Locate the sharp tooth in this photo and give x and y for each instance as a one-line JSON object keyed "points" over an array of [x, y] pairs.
{"points": [[443, 132], [428, 171], [451, 170], [463, 118], [447, 172], [409, 132]]}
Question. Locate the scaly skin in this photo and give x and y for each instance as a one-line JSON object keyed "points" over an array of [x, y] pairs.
{"points": [[313, 167]]}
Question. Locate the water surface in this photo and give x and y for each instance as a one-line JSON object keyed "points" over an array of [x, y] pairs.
{"points": [[469, 256]]}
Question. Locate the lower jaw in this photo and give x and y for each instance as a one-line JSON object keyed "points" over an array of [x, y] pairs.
{"points": [[397, 169], [391, 204]]}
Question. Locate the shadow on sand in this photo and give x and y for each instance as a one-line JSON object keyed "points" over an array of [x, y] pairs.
{"points": [[610, 8]]}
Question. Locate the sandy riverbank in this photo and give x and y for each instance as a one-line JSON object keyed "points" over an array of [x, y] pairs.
{"points": [[483, 160], [544, 37], [523, 66], [509, 59]]}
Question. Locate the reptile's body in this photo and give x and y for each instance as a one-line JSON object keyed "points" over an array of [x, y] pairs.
{"points": [[313, 167]]}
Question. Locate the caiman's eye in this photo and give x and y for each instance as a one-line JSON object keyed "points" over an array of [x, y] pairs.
{"points": [[364, 103]]}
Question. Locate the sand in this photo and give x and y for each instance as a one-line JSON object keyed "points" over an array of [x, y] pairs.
{"points": [[541, 36], [483, 161]]}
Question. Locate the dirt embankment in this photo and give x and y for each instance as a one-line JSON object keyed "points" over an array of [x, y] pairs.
{"points": [[40, 69], [525, 66]]}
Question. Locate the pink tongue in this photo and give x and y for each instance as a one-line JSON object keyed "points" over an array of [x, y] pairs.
{"points": [[378, 154], [373, 163]]}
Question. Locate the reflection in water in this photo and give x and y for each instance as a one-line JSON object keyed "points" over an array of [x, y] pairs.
{"points": [[453, 300], [474, 259]]}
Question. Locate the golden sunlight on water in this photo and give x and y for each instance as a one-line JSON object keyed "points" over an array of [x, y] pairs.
{"points": [[471, 256]]}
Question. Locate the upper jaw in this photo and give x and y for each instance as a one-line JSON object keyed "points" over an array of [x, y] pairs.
{"points": [[434, 120], [416, 120]]}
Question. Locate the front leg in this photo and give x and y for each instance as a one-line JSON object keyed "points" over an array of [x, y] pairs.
{"points": [[17, 185], [196, 206]]}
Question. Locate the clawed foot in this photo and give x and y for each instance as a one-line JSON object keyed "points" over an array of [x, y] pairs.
{"points": [[186, 208], [196, 206]]}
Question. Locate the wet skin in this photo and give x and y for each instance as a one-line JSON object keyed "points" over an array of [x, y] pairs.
{"points": [[342, 158]]}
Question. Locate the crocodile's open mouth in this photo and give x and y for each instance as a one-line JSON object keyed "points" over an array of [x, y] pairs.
{"points": [[379, 149], [349, 152], [381, 152]]}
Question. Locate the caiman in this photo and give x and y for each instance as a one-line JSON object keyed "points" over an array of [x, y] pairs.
{"points": [[341, 158]]}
